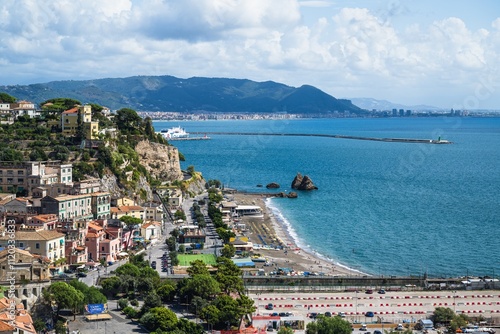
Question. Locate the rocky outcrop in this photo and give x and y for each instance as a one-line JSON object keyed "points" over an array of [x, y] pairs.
{"points": [[291, 194], [303, 183], [272, 185], [161, 161]]}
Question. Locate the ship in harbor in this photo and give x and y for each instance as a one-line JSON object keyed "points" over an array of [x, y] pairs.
{"points": [[178, 133]]}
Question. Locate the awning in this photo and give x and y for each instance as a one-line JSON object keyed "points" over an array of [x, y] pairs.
{"points": [[122, 254]]}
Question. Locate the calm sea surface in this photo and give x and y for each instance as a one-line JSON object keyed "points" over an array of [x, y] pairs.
{"points": [[381, 208]]}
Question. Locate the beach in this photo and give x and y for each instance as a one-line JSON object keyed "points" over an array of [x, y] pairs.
{"points": [[272, 231]]}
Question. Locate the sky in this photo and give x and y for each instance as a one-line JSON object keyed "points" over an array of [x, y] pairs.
{"points": [[439, 53]]}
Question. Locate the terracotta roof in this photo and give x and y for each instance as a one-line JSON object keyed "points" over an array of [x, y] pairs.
{"points": [[126, 208], [46, 217], [95, 227], [5, 327], [71, 111], [146, 225], [35, 235], [17, 250]]}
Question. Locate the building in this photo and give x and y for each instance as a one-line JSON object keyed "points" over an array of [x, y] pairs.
{"points": [[25, 176], [72, 118], [22, 322], [43, 222], [191, 234], [128, 210], [26, 267], [49, 244], [151, 230], [68, 207], [24, 108], [154, 211], [101, 205]]}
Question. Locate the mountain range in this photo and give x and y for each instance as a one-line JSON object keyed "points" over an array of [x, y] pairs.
{"points": [[168, 93]]}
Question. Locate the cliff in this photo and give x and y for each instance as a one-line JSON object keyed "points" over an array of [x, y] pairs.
{"points": [[161, 161]]}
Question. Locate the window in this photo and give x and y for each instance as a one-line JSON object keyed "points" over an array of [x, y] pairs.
{"points": [[20, 172], [102, 248], [37, 245], [21, 245]]}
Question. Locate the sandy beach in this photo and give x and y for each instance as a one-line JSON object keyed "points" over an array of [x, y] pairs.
{"points": [[274, 232]]}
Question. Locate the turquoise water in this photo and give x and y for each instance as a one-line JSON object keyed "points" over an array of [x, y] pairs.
{"points": [[381, 208]]}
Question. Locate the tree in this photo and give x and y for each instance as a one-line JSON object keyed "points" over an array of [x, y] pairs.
{"points": [[190, 170], [128, 269], [198, 267], [152, 300], [228, 251], [204, 286], [285, 330], [64, 296], [225, 234], [325, 325], [229, 276], [127, 120], [6, 98], [186, 326], [159, 318], [166, 291], [210, 314], [111, 286], [443, 315]]}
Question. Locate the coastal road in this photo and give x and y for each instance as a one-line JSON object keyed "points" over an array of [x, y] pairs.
{"points": [[391, 307]]}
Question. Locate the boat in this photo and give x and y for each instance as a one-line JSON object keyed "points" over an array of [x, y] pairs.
{"points": [[175, 133]]}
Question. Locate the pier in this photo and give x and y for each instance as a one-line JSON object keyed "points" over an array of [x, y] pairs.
{"points": [[392, 140]]}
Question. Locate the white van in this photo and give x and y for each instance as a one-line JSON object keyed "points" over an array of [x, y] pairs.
{"points": [[363, 327]]}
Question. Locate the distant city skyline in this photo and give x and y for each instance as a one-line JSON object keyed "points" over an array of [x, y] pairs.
{"points": [[443, 54]]}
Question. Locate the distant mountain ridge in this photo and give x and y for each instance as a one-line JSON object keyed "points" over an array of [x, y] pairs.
{"points": [[168, 93], [383, 105]]}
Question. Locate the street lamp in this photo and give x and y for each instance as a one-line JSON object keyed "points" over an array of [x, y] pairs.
{"points": [[454, 302], [356, 294]]}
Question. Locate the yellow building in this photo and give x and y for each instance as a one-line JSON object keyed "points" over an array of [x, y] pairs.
{"points": [[69, 121]]}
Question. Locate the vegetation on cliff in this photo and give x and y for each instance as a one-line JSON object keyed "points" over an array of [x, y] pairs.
{"points": [[41, 138]]}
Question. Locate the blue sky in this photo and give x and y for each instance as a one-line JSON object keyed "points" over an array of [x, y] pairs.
{"points": [[441, 53]]}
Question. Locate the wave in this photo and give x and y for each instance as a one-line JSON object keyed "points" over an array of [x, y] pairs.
{"points": [[292, 234]]}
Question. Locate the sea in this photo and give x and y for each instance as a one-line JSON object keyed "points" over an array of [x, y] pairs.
{"points": [[381, 208]]}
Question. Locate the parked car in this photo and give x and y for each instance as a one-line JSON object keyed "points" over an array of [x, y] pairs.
{"points": [[400, 327], [382, 292], [377, 332], [363, 327], [342, 314], [153, 264], [328, 314], [369, 291], [313, 315], [81, 274], [269, 306], [369, 314]]}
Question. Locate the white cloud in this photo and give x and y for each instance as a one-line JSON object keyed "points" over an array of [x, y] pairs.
{"points": [[347, 51]]}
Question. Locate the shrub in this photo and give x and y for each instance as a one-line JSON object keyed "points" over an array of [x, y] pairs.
{"points": [[122, 303], [130, 312], [134, 302]]}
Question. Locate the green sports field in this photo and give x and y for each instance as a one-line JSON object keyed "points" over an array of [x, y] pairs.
{"points": [[186, 259]]}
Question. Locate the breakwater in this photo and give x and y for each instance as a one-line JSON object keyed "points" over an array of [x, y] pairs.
{"points": [[393, 140]]}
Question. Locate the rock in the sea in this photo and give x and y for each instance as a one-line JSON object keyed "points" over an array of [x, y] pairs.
{"points": [[303, 183], [283, 194], [297, 181], [259, 186], [273, 185]]}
